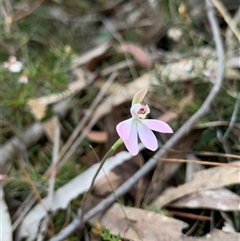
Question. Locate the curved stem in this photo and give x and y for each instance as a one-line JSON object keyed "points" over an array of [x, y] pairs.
{"points": [[114, 147]]}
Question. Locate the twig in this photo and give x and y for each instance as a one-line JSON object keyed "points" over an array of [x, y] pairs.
{"points": [[231, 23], [233, 118], [216, 164], [206, 153], [190, 215], [35, 190], [175, 138], [224, 138], [229, 35], [23, 210], [52, 179]]}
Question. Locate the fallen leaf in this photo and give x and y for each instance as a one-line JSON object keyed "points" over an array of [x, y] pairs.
{"points": [[208, 179], [97, 136], [217, 199], [102, 187], [138, 53], [139, 224], [91, 54], [217, 235], [6, 225], [49, 128], [37, 108]]}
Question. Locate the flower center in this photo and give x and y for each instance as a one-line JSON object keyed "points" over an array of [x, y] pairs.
{"points": [[139, 111], [143, 111]]}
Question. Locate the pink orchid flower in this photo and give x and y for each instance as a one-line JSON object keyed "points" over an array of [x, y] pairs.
{"points": [[138, 125]]}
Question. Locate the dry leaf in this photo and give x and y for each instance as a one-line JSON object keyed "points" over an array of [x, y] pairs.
{"points": [[97, 136], [102, 187], [49, 128], [142, 224], [217, 235], [208, 179], [138, 53], [37, 108], [218, 199], [6, 225], [91, 54]]}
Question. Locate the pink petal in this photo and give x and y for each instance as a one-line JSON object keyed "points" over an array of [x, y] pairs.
{"points": [[124, 129], [146, 136], [132, 142], [157, 125]]}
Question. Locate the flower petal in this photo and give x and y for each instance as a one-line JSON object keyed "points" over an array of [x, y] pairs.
{"points": [[157, 125], [139, 96], [124, 129], [132, 142], [146, 136]]}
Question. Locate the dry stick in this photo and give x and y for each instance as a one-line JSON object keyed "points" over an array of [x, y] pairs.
{"points": [[229, 35], [190, 215], [216, 164], [172, 141], [52, 179], [231, 23], [23, 210], [206, 153], [35, 190], [224, 139]]}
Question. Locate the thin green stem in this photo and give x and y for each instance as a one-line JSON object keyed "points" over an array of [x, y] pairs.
{"points": [[114, 147]]}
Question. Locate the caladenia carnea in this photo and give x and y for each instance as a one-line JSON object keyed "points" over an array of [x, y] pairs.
{"points": [[139, 126], [129, 131]]}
